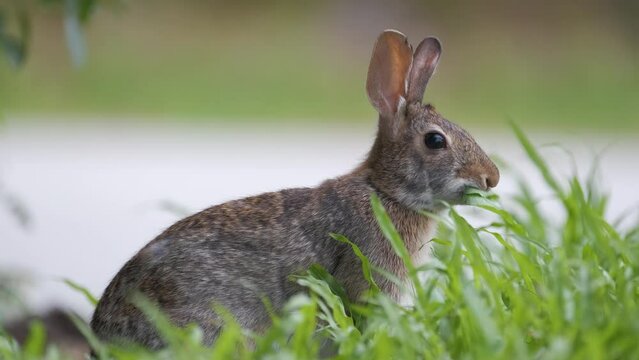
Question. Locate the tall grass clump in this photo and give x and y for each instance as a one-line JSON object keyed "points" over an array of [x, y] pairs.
{"points": [[527, 285]]}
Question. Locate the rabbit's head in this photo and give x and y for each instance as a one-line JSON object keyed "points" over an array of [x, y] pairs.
{"points": [[419, 158]]}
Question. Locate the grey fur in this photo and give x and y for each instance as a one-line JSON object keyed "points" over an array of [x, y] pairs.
{"points": [[236, 253]]}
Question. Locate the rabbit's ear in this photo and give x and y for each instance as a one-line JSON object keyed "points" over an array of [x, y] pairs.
{"points": [[387, 72], [424, 63]]}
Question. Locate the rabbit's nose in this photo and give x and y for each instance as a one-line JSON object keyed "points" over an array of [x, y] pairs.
{"points": [[490, 179], [484, 174]]}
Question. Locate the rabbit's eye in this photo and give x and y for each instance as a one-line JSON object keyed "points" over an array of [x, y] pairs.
{"points": [[435, 141]]}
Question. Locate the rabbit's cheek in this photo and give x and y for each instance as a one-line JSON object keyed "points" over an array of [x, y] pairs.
{"points": [[420, 197]]}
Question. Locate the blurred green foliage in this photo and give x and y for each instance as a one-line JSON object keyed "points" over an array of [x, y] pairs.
{"points": [[15, 43], [14, 46], [571, 65]]}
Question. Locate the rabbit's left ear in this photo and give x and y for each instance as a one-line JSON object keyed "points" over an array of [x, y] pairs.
{"points": [[425, 62]]}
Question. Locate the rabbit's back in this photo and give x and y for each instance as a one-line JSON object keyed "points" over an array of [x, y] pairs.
{"points": [[237, 253]]}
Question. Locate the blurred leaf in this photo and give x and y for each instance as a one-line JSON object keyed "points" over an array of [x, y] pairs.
{"points": [[481, 314], [366, 265], [539, 162], [174, 208], [36, 342], [230, 344], [24, 25], [94, 343], [84, 291], [9, 347], [15, 46], [390, 232], [477, 197], [13, 49], [469, 190], [318, 272], [74, 32], [441, 241], [17, 209], [159, 320], [86, 9], [332, 305]]}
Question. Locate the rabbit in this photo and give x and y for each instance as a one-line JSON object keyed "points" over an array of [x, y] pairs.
{"points": [[240, 252]]}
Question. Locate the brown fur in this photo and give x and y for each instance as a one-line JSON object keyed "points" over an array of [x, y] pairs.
{"points": [[239, 252]]}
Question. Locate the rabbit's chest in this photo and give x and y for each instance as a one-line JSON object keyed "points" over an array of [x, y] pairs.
{"points": [[422, 249], [417, 236]]}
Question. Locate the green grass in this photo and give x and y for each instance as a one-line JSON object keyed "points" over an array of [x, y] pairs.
{"points": [[302, 85], [521, 286]]}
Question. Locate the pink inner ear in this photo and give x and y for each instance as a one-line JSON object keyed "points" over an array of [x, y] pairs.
{"points": [[388, 70]]}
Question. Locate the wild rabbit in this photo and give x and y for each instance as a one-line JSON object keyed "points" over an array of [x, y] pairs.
{"points": [[236, 253]]}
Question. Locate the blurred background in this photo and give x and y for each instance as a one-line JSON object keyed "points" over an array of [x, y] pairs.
{"points": [[120, 117], [571, 64]]}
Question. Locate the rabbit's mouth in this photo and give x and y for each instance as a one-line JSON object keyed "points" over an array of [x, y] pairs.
{"points": [[454, 190], [436, 196]]}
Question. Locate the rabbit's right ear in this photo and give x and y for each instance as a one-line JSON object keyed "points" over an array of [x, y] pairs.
{"points": [[424, 64], [387, 72]]}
